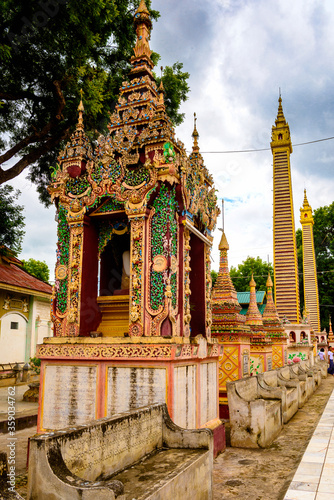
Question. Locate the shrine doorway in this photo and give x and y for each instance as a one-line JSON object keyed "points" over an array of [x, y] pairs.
{"points": [[114, 283], [114, 271], [197, 286]]}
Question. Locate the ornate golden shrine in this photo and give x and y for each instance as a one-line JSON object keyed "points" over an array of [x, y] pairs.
{"points": [[137, 195], [132, 301]]}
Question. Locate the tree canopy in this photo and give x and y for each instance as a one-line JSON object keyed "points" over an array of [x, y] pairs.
{"points": [[323, 232], [37, 268], [11, 220], [51, 49], [241, 275]]}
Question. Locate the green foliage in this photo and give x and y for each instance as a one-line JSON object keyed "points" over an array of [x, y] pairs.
{"points": [[11, 220], [214, 276], [35, 364], [241, 275], [37, 268], [51, 49], [176, 87], [323, 232]]}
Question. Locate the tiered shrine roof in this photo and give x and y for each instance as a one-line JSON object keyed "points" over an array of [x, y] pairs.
{"points": [[139, 150]]}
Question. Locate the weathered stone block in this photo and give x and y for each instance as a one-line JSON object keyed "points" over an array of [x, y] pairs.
{"points": [[255, 422]]}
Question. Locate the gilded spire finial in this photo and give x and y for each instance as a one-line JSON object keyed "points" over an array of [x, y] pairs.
{"points": [[161, 90], [280, 114], [305, 202], [81, 109], [143, 25], [253, 315], [252, 282], [269, 283], [223, 245], [195, 136]]}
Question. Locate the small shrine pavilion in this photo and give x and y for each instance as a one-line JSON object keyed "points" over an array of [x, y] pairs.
{"points": [[330, 337], [131, 305]]}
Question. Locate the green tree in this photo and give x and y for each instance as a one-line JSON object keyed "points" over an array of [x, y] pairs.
{"points": [[214, 276], [176, 88], [323, 232], [37, 268], [11, 220], [241, 275], [49, 50]]}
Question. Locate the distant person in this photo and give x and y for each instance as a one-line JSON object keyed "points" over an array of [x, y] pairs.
{"points": [[330, 359], [321, 354]]}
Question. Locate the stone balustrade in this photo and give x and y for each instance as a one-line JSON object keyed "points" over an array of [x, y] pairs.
{"points": [[138, 454], [255, 416], [288, 395], [259, 405]]}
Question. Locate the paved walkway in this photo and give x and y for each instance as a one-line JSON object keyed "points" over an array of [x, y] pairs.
{"points": [[255, 474], [314, 478], [22, 408]]}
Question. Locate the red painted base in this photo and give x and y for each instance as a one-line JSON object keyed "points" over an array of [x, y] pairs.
{"points": [[219, 440], [224, 412]]}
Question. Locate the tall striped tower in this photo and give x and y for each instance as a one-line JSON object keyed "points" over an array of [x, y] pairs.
{"points": [[285, 251], [311, 296]]}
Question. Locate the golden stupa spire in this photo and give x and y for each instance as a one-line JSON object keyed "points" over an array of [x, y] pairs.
{"points": [[195, 136], [143, 25]]}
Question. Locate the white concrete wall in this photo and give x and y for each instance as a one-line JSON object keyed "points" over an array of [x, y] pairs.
{"points": [[131, 388], [12, 341], [41, 323], [70, 396], [184, 408], [209, 392]]}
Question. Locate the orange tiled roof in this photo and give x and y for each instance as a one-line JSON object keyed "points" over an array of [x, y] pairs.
{"points": [[14, 275]]}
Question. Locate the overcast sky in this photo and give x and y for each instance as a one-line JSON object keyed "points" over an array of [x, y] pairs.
{"points": [[239, 53]]}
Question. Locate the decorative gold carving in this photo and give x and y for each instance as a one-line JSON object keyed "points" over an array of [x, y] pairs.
{"points": [[104, 351], [61, 272], [74, 289], [187, 292], [208, 286], [136, 277], [159, 263]]}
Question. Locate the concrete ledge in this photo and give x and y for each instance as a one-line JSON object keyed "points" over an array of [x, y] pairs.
{"points": [[20, 423]]}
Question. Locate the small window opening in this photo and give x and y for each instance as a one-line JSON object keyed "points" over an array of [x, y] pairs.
{"points": [[14, 325]]}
